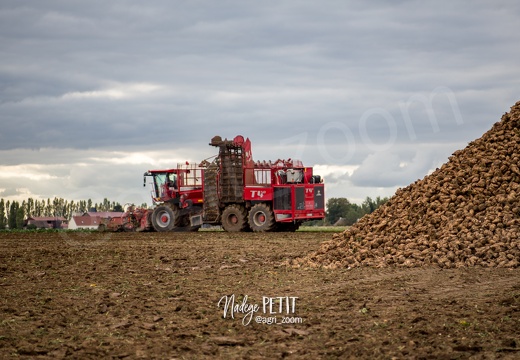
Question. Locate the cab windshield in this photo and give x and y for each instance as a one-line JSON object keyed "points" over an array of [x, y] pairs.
{"points": [[160, 180]]}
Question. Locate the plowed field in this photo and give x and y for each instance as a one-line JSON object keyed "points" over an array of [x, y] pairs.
{"points": [[164, 296]]}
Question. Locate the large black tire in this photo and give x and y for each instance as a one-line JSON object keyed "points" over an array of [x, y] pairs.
{"points": [[261, 218], [234, 218], [163, 218]]}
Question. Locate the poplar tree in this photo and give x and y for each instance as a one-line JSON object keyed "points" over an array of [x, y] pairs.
{"points": [[29, 207], [11, 221], [2, 215], [20, 217]]}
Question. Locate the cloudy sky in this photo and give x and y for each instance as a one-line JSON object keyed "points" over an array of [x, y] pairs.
{"points": [[373, 94]]}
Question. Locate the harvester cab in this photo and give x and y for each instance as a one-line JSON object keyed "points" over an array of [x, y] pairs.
{"points": [[164, 184], [177, 196]]}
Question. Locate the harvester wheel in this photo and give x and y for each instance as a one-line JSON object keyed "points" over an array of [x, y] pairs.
{"points": [[261, 218], [163, 218], [234, 218]]}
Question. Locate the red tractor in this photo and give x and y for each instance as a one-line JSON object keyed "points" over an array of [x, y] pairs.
{"points": [[236, 192]]}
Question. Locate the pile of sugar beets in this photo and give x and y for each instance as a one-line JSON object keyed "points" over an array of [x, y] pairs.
{"points": [[467, 213]]}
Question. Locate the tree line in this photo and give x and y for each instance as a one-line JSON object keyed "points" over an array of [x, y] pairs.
{"points": [[342, 208], [14, 213]]}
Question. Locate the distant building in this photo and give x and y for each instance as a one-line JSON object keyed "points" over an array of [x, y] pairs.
{"points": [[84, 222], [91, 220], [46, 222]]}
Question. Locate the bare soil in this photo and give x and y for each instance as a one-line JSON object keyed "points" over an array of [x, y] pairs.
{"points": [[156, 295]]}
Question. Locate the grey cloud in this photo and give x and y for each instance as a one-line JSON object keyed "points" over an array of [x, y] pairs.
{"points": [[270, 71], [397, 168], [9, 192]]}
